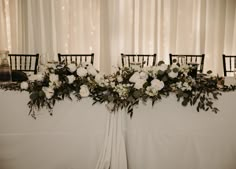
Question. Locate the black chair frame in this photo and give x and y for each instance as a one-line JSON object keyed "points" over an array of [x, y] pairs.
{"points": [[75, 58], [188, 59], [143, 58], [26, 62], [232, 68]]}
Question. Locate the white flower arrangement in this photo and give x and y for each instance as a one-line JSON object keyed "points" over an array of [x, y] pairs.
{"points": [[122, 89]]}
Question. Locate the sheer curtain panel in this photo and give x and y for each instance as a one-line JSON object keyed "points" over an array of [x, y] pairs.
{"points": [[110, 27]]}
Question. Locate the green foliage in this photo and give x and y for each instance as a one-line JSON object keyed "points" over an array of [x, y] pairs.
{"points": [[123, 89]]}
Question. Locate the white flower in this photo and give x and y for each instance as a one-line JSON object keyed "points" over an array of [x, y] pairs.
{"points": [[84, 91], [91, 70], [135, 77], [71, 79], [184, 68], [179, 84], [151, 91], [49, 92], [157, 84], [112, 84], [183, 86], [122, 90], [72, 67], [173, 74], [24, 85], [54, 80], [99, 78], [139, 84], [119, 78], [143, 75], [86, 64], [81, 72], [163, 67]]}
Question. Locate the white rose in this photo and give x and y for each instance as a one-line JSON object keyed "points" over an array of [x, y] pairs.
{"points": [[49, 92], [143, 75], [82, 72], [173, 74], [84, 91], [157, 84], [163, 67], [72, 67], [135, 77], [99, 78], [139, 84], [24, 85], [71, 79], [119, 78], [91, 70]]}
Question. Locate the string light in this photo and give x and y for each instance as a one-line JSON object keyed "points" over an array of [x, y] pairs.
{"points": [[8, 25], [90, 48]]}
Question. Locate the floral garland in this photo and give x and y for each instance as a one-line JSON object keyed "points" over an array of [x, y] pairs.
{"points": [[123, 89]]}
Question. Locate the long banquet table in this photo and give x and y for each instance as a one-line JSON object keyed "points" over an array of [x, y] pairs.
{"points": [[72, 138], [82, 136]]}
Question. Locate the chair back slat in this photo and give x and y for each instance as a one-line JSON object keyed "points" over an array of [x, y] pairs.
{"points": [[229, 64], [185, 59], [143, 59], [75, 58], [15, 62], [26, 62], [23, 62]]}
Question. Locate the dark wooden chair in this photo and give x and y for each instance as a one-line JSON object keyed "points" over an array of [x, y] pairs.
{"points": [[229, 64], [142, 59], [186, 59], [76, 58], [24, 62]]}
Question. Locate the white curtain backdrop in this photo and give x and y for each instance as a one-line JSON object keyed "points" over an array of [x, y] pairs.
{"points": [[110, 27]]}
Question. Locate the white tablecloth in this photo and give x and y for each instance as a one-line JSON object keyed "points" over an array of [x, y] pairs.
{"points": [[71, 139], [170, 136], [82, 136]]}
